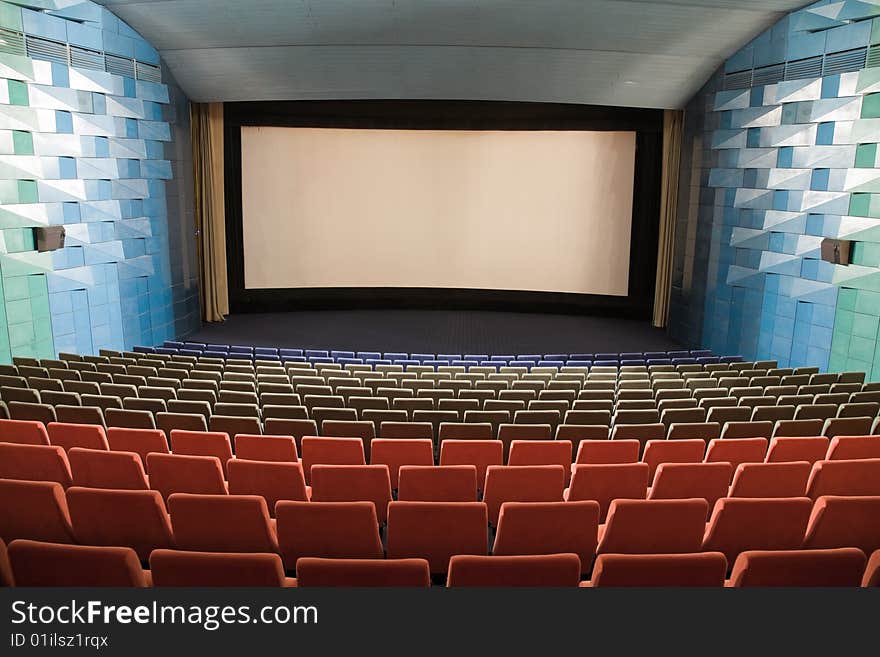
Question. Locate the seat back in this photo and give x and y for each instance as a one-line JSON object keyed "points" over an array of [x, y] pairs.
{"points": [[140, 441], [51, 564], [548, 528], [330, 529], [654, 526], [604, 482], [839, 567], [850, 477], [397, 452], [353, 483], [176, 473], [697, 569], [131, 518], [608, 451], [737, 450], [332, 451], [479, 453], [23, 432], [843, 521], [739, 524], [187, 568], [675, 481], [202, 443], [266, 448], [363, 572], [534, 570], [68, 436], [673, 451], [97, 468], [39, 511], [522, 483], [786, 479], [443, 483], [272, 480], [853, 447], [436, 531], [34, 463], [221, 523]]}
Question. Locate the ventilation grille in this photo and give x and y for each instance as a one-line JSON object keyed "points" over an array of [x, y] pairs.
{"points": [[844, 62], [873, 56], [46, 49], [740, 80], [85, 58], [768, 75], [804, 68], [12, 42], [119, 65], [148, 72]]}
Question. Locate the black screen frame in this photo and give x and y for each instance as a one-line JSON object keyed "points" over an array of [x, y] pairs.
{"points": [[451, 115]]}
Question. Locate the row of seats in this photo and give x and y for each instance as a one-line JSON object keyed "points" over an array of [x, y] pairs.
{"points": [[349, 524], [33, 563]]}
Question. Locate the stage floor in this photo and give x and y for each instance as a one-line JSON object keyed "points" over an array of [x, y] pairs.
{"points": [[435, 331]]}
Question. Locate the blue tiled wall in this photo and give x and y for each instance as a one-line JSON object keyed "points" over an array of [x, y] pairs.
{"points": [[101, 146], [780, 153]]}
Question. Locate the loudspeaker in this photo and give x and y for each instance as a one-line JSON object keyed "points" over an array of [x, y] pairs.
{"points": [[836, 251], [49, 238]]}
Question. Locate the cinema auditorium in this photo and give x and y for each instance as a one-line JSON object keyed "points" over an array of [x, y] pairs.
{"points": [[440, 294]]}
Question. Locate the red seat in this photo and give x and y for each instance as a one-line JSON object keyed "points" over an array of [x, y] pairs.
{"points": [[784, 479], [130, 518], [676, 481], [608, 451], [855, 477], [265, 448], [739, 524], [330, 451], [97, 468], [173, 473], [653, 526], [839, 521], [395, 452], [353, 483], [872, 571], [436, 531], [272, 480], [68, 436], [697, 569], [6, 578], [34, 509], [222, 523], [34, 463], [53, 564], [363, 572], [23, 432], [202, 443], [479, 453], [522, 483], [438, 483], [840, 567], [139, 441], [673, 451], [809, 449], [853, 447], [606, 482], [330, 529], [542, 452], [548, 528], [533, 570], [736, 451], [184, 568]]}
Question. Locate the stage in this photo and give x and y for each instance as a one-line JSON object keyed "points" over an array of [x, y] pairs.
{"points": [[437, 331]]}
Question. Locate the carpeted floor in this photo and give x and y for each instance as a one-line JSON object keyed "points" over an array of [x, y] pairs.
{"points": [[437, 332]]}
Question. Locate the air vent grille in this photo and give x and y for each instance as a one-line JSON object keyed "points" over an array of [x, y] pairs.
{"points": [[12, 42], [804, 68], [119, 65], [873, 56], [845, 62], [85, 58], [148, 72], [46, 49], [768, 75], [740, 80]]}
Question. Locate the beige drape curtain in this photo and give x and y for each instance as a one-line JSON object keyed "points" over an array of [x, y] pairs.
{"points": [[210, 215], [672, 135]]}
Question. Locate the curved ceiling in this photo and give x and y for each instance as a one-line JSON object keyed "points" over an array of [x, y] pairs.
{"points": [[636, 53]]}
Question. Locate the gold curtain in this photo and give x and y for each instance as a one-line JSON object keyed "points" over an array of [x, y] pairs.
{"points": [[672, 135], [210, 214]]}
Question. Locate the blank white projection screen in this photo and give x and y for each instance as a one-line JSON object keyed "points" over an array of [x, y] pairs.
{"points": [[506, 210]]}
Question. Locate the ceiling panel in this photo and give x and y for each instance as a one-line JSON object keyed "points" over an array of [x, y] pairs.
{"points": [[611, 52]]}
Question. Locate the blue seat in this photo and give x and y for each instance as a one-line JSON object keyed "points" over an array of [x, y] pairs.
{"points": [[436, 362], [579, 363], [173, 344], [492, 363], [581, 356], [320, 359], [421, 357], [369, 355], [448, 357], [555, 356], [406, 361], [350, 361], [210, 353], [684, 361], [534, 357], [551, 363], [659, 361], [631, 361], [240, 356], [606, 363], [392, 355], [190, 352], [656, 354], [607, 355], [465, 363], [291, 352], [731, 359], [705, 360], [496, 357], [376, 361], [679, 354], [218, 347], [240, 349], [697, 353], [156, 350], [194, 345], [316, 353], [341, 354]]}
